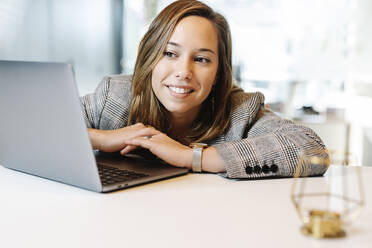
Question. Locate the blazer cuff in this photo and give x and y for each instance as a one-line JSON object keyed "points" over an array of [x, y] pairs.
{"points": [[243, 160], [270, 155]]}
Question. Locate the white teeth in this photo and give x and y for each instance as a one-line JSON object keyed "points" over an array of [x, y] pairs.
{"points": [[179, 90]]}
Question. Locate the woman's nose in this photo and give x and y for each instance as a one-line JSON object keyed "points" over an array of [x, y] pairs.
{"points": [[183, 69]]}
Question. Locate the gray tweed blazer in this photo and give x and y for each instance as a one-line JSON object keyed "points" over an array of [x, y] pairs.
{"points": [[258, 143]]}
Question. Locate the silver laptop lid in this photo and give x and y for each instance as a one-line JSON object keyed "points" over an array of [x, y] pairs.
{"points": [[42, 130]]}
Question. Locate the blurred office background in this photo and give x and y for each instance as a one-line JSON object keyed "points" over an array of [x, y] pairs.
{"points": [[311, 58]]}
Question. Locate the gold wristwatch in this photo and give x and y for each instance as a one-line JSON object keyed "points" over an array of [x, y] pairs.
{"points": [[197, 156]]}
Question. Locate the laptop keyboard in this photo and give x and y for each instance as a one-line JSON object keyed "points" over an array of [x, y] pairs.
{"points": [[111, 175]]}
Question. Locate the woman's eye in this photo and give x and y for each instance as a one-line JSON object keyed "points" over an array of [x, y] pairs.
{"points": [[202, 60], [169, 54]]}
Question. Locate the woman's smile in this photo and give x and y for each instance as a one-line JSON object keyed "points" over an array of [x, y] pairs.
{"points": [[179, 91]]}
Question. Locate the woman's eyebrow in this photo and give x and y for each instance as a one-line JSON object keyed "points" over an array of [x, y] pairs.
{"points": [[206, 50], [200, 49]]}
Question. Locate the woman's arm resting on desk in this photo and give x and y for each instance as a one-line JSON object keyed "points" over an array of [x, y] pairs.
{"points": [[177, 154], [129, 138]]}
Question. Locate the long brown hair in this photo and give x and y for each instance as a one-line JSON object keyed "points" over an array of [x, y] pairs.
{"points": [[213, 119]]}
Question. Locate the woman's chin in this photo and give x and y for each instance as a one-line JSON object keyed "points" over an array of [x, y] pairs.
{"points": [[181, 111]]}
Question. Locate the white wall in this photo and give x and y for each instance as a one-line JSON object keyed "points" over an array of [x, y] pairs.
{"points": [[79, 32], [359, 87]]}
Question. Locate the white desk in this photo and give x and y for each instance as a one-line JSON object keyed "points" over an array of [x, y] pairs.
{"points": [[188, 211]]}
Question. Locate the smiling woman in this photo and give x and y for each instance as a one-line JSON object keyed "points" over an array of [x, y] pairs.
{"points": [[182, 92], [184, 76]]}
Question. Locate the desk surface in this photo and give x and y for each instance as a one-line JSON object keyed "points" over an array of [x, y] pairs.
{"points": [[188, 211]]}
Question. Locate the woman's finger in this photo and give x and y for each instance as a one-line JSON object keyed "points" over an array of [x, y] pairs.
{"points": [[144, 141], [128, 149], [146, 131]]}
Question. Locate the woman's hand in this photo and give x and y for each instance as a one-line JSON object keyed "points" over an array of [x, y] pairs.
{"points": [[167, 149], [172, 152], [117, 140]]}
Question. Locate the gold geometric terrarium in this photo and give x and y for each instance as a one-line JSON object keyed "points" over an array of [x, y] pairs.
{"points": [[326, 204]]}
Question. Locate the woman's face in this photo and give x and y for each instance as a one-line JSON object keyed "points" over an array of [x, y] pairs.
{"points": [[184, 76]]}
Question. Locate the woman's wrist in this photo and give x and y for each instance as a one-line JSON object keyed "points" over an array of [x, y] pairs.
{"points": [[96, 138], [212, 161], [188, 158]]}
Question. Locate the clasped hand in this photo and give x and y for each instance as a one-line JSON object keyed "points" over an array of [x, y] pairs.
{"points": [[132, 137]]}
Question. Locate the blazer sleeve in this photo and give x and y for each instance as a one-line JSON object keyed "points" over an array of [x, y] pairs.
{"points": [[271, 147], [94, 104], [108, 107]]}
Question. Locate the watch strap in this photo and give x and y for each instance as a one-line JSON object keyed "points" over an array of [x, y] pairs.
{"points": [[196, 159], [197, 156]]}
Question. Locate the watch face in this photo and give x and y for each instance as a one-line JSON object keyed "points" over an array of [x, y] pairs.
{"points": [[198, 145]]}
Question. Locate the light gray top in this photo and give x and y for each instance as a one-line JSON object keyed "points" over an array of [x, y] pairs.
{"points": [[258, 143]]}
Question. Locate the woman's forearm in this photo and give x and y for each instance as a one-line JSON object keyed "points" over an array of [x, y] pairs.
{"points": [[96, 138]]}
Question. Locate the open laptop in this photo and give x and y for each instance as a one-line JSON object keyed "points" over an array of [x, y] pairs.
{"points": [[43, 132]]}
